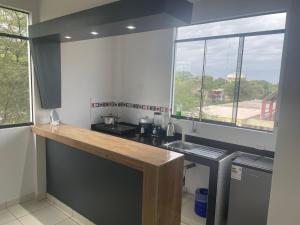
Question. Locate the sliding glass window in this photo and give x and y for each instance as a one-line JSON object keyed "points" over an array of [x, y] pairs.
{"points": [[228, 72], [15, 79]]}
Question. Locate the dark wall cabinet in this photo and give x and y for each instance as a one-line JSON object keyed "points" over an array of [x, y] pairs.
{"points": [[47, 65]]}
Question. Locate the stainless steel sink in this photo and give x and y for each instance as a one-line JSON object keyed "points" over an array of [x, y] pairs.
{"points": [[200, 150], [180, 146]]}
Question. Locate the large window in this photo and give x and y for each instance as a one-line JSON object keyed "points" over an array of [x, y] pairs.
{"points": [[15, 94], [228, 72]]}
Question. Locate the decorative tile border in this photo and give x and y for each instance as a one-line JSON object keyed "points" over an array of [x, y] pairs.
{"points": [[130, 105]]}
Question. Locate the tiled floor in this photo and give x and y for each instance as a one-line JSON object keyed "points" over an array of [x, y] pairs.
{"points": [[46, 213], [188, 216], [35, 213]]}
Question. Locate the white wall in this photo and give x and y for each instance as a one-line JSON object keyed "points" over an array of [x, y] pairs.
{"points": [[143, 77], [285, 196], [86, 77], [17, 154], [17, 163]]}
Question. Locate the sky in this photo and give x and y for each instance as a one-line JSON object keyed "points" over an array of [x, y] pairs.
{"points": [[262, 54]]}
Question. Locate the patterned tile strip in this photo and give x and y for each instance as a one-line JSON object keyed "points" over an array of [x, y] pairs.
{"points": [[130, 105]]}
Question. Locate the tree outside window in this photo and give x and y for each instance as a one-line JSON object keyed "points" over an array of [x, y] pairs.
{"points": [[15, 104]]}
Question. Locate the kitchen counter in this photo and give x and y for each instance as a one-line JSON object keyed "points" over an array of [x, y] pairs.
{"points": [[133, 154], [157, 171]]}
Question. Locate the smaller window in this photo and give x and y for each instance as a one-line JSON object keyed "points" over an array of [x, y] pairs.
{"points": [[15, 94]]}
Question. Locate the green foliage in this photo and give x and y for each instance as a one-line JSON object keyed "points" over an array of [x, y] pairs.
{"points": [[188, 90], [14, 79]]}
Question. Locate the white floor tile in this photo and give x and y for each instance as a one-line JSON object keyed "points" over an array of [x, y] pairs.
{"points": [[46, 216], [16, 222], [188, 215], [6, 217], [28, 207], [187, 197]]}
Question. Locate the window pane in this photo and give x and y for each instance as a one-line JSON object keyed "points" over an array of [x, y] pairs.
{"points": [[188, 75], [13, 22], [259, 87], [219, 81], [14, 82], [236, 26]]}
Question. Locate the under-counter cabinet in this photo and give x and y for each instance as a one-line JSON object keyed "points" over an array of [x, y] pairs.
{"points": [[219, 183]]}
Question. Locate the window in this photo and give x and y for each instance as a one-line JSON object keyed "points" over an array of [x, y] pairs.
{"points": [[15, 84], [228, 72]]}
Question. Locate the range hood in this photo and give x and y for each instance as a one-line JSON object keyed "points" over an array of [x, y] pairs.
{"points": [[117, 18]]}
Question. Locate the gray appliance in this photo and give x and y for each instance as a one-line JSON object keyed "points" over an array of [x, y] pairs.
{"points": [[250, 187]]}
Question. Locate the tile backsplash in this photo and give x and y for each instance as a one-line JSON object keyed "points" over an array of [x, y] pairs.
{"points": [[130, 105]]}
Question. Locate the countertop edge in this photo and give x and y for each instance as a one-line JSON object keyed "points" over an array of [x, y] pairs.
{"points": [[52, 132]]}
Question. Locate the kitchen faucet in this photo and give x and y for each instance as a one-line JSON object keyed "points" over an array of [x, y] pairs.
{"points": [[183, 135]]}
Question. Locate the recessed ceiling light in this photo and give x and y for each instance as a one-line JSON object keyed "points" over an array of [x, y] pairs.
{"points": [[94, 33], [131, 27], [68, 37]]}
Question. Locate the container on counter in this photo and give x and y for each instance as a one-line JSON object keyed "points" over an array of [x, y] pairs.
{"points": [[178, 111]]}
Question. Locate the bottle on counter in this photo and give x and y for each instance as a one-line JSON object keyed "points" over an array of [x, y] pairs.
{"points": [[178, 111]]}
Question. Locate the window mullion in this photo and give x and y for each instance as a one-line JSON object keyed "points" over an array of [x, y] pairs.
{"points": [[238, 80], [202, 80]]}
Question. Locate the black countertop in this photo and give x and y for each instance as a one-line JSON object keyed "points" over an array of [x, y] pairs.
{"points": [[159, 142]]}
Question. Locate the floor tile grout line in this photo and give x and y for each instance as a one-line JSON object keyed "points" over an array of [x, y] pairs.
{"points": [[6, 208], [29, 212]]}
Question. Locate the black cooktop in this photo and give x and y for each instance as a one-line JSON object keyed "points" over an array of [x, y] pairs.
{"points": [[119, 129], [129, 132]]}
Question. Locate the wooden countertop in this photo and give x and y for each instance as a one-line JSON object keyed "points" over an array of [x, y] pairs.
{"points": [[123, 151]]}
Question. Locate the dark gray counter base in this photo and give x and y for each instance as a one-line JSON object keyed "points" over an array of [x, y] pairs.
{"points": [[102, 191]]}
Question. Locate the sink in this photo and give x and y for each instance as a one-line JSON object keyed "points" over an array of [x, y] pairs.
{"points": [[195, 149], [181, 146]]}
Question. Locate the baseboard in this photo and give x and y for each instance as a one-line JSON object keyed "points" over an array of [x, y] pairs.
{"points": [[40, 196]]}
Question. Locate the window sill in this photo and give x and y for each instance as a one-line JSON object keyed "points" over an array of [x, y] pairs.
{"points": [[16, 125], [223, 124]]}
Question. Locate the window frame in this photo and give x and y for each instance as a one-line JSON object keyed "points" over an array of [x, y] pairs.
{"points": [[241, 37], [30, 74]]}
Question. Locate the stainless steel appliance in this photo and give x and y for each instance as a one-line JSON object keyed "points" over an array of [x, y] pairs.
{"points": [[145, 126], [156, 126], [170, 129], [110, 120], [250, 188]]}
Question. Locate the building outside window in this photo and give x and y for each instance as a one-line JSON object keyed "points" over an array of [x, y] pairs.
{"points": [[228, 72], [15, 75]]}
